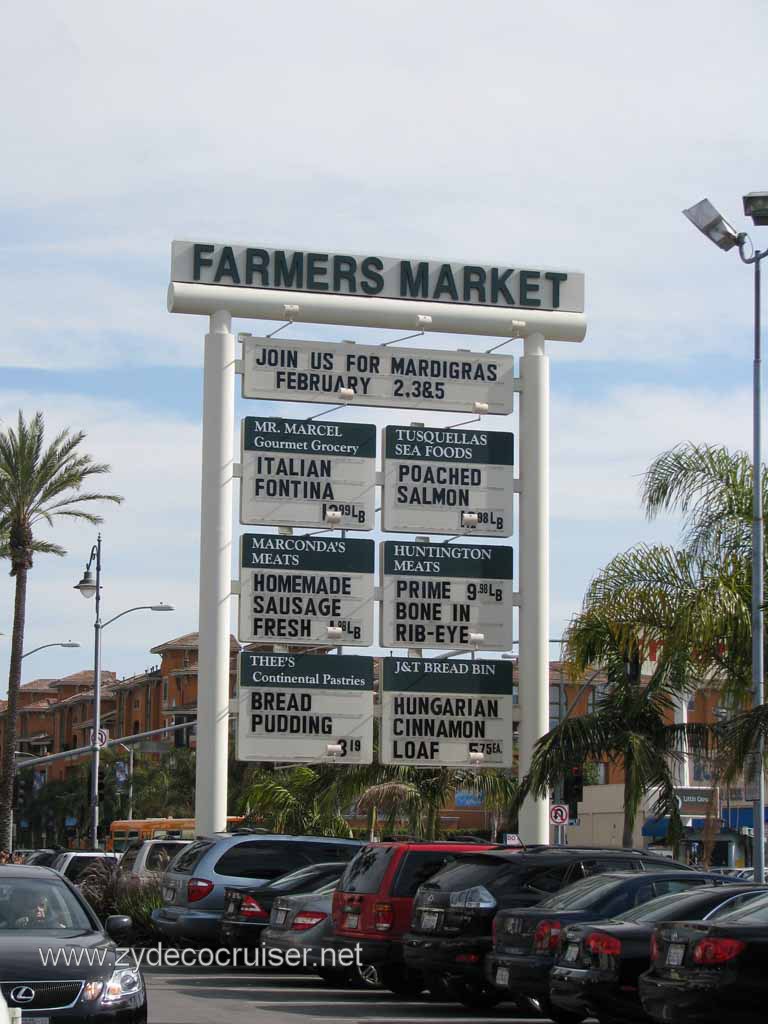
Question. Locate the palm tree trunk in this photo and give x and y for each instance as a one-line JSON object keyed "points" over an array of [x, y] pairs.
{"points": [[629, 817], [14, 682]]}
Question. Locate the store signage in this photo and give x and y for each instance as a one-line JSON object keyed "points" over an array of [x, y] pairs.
{"points": [[300, 473], [305, 708], [315, 591], [452, 481], [448, 713], [242, 266], [279, 370], [446, 595]]}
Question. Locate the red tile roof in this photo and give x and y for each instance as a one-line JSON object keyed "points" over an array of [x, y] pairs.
{"points": [[188, 642]]}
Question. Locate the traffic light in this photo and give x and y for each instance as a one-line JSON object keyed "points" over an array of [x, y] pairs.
{"points": [[20, 781], [573, 789], [102, 777]]}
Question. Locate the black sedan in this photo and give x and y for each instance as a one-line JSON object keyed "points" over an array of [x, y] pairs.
{"points": [[247, 910], [598, 966], [710, 972], [526, 941], [57, 963]]}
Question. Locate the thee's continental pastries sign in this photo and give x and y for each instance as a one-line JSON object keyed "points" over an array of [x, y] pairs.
{"points": [[368, 275], [293, 707], [448, 481], [446, 595], [314, 591], [296, 472], [279, 370], [438, 712]]}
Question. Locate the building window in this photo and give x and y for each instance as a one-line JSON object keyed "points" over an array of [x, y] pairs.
{"points": [[515, 694], [554, 706], [136, 702], [165, 691]]}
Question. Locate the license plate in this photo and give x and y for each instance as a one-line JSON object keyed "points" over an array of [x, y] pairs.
{"points": [[280, 916], [571, 952], [675, 954], [169, 893], [502, 976], [351, 920], [429, 920], [35, 1020]]}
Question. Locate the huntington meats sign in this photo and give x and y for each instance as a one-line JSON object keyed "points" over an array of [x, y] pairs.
{"points": [[293, 707], [446, 595], [369, 275], [448, 481], [438, 712], [295, 472], [403, 378], [303, 590]]}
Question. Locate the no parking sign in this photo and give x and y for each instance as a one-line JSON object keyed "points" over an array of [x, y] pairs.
{"points": [[558, 814]]}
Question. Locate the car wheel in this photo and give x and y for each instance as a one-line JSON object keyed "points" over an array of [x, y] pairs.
{"points": [[365, 976], [437, 989], [475, 997], [401, 981]]}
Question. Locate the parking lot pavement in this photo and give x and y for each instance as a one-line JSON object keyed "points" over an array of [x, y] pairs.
{"points": [[229, 997]]}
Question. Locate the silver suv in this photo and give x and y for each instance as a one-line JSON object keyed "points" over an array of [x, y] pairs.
{"points": [[194, 883]]}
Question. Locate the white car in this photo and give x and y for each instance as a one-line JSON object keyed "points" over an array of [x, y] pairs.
{"points": [[72, 863], [144, 862]]}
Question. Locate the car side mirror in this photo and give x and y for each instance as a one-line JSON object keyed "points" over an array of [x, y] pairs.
{"points": [[117, 926]]}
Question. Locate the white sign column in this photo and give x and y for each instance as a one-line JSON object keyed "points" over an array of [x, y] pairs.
{"points": [[215, 576], [533, 822]]}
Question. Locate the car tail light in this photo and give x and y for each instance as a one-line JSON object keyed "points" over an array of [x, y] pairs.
{"points": [[307, 919], [493, 931], [383, 916], [600, 944], [717, 951], [198, 889], [252, 909], [654, 947], [546, 938], [468, 958]]}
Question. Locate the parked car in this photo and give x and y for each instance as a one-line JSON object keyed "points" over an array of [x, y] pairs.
{"points": [[373, 903], [526, 941], [304, 924], [42, 858], [41, 911], [598, 965], [73, 863], [450, 932], [247, 911], [144, 862], [710, 971], [194, 884]]}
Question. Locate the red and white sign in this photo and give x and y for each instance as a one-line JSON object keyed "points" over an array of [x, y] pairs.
{"points": [[559, 814]]}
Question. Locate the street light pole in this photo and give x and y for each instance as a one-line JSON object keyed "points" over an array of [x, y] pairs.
{"points": [[91, 587], [711, 223], [42, 647]]}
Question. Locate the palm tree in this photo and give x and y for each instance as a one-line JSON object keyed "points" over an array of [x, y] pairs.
{"points": [[643, 596], [296, 800], [38, 484]]}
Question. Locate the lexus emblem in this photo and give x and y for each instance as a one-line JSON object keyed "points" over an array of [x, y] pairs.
{"points": [[430, 899], [22, 994]]}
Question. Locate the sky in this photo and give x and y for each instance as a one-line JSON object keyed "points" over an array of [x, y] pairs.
{"points": [[549, 134]]}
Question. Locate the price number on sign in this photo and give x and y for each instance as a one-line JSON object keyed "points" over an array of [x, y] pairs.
{"points": [[346, 627], [347, 510], [491, 590], [492, 519], [352, 746], [418, 389]]}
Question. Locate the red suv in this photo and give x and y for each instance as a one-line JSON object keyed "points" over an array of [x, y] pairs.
{"points": [[373, 902]]}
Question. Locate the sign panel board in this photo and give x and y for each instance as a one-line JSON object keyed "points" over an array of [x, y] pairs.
{"points": [[439, 712], [458, 283], [294, 473], [278, 370], [446, 595], [448, 481], [315, 591], [294, 707], [559, 814]]}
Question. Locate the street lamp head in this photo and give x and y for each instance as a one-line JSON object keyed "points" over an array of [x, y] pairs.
{"points": [[711, 223], [87, 585], [70, 643], [162, 607], [756, 207]]}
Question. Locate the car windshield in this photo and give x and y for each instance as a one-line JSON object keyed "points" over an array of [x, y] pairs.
{"points": [[673, 905], [313, 873], [582, 894], [755, 912], [36, 904], [467, 871]]}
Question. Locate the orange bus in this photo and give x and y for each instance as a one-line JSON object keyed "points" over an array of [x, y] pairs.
{"points": [[122, 833]]}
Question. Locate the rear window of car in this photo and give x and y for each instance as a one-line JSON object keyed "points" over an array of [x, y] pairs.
{"points": [[470, 870], [365, 872], [755, 912], [78, 866], [311, 877], [186, 862], [582, 894], [261, 859], [128, 860], [416, 868], [160, 855]]}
